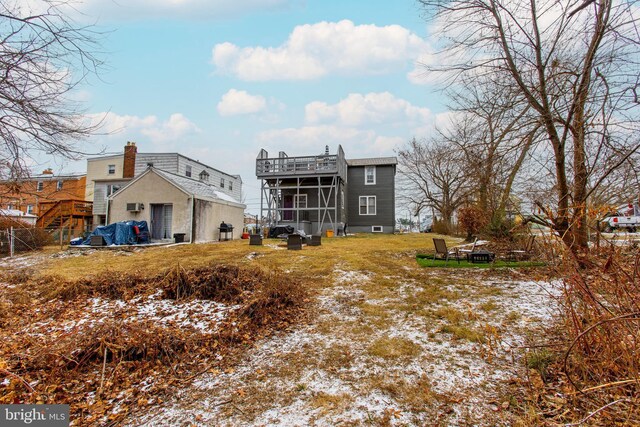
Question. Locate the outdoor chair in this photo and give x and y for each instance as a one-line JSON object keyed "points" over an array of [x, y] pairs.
{"points": [[467, 252], [524, 253], [443, 252], [315, 240], [294, 242]]}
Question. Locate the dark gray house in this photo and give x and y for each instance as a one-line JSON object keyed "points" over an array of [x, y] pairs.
{"points": [[327, 191]]}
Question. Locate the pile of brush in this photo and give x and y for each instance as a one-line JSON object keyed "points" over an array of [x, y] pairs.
{"points": [[118, 363], [594, 374]]}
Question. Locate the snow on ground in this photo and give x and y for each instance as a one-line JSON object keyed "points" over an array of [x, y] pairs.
{"points": [[203, 315], [22, 261], [325, 373]]}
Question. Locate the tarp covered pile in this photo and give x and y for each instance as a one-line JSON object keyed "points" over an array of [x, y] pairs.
{"points": [[121, 233]]}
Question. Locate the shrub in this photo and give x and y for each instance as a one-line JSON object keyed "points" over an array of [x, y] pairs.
{"points": [[471, 220]]}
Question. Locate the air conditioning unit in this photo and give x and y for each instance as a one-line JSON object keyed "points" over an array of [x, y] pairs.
{"points": [[135, 207]]}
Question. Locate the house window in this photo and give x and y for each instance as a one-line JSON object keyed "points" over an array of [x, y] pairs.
{"points": [[29, 209], [188, 171], [370, 175], [376, 229], [111, 169], [230, 185], [221, 182], [300, 201], [112, 189], [367, 205], [204, 176], [59, 185], [39, 186], [10, 207]]}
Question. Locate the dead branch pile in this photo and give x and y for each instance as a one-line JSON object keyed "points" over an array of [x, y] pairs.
{"points": [[108, 365], [601, 360]]}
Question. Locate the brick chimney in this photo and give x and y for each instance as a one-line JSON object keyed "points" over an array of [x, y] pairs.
{"points": [[129, 167], [47, 171]]}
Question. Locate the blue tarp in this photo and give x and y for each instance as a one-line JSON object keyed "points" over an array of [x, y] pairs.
{"points": [[121, 233]]}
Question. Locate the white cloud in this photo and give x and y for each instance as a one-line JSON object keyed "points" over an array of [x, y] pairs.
{"points": [[189, 9], [236, 102], [176, 127], [315, 50], [312, 139], [372, 108]]}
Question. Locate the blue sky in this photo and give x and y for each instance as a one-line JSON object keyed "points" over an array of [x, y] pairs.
{"points": [[218, 80]]}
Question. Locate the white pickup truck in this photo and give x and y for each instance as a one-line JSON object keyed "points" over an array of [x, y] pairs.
{"points": [[628, 218]]}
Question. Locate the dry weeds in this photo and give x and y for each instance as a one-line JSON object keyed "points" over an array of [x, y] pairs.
{"points": [[376, 351]]}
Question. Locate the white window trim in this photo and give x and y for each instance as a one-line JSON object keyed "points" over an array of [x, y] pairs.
{"points": [[221, 182], [377, 229], [59, 185], [187, 171], [297, 199], [365, 175], [109, 170], [39, 186], [375, 205], [113, 189], [30, 209]]}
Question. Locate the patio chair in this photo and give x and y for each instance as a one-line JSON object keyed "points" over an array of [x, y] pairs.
{"points": [[294, 242], [467, 252], [524, 253], [316, 240], [441, 250]]}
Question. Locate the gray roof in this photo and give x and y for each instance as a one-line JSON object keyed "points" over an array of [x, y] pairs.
{"points": [[373, 161], [195, 187]]}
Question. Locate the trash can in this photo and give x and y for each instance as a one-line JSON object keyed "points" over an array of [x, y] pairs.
{"points": [[179, 237], [330, 233]]}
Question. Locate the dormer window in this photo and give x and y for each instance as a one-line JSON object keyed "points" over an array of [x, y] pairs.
{"points": [[111, 169], [221, 182], [230, 185], [204, 176], [369, 175], [188, 171]]}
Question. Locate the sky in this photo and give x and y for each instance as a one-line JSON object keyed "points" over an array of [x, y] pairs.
{"points": [[218, 80]]}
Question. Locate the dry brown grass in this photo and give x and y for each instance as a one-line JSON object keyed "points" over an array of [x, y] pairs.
{"points": [[393, 290], [116, 355], [394, 348]]}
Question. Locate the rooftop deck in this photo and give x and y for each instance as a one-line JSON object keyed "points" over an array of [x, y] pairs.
{"points": [[325, 164]]}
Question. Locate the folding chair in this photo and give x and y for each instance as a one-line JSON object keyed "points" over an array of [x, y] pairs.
{"points": [[468, 252], [442, 250]]}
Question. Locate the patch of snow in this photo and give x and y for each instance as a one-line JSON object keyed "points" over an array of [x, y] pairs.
{"points": [[454, 368], [350, 276]]}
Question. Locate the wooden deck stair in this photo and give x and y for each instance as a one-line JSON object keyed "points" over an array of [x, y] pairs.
{"points": [[61, 214]]}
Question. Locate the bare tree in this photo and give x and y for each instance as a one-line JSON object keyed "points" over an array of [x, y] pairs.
{"points": [[44, 55], [494, 131], [434, 177], [576, 65]]}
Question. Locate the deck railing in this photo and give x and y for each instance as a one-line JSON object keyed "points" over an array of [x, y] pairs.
{"points": [[50, 211], [309, 165]]}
